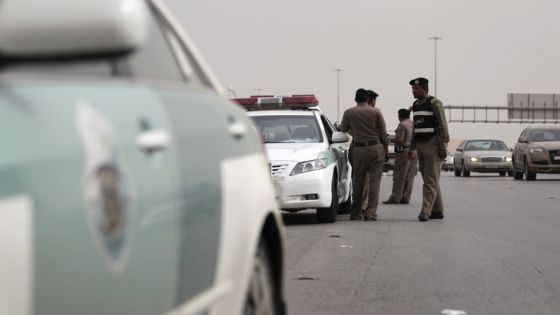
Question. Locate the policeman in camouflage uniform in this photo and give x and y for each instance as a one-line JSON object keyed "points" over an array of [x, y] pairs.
{"points": [[369, 138], [404, 170], [429, 143]]}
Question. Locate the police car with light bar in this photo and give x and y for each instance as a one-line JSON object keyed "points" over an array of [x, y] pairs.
{"points": [[308, 156]]}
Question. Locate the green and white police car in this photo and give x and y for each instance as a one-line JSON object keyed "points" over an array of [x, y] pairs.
{"points": [[308, 157], [121, 167]]}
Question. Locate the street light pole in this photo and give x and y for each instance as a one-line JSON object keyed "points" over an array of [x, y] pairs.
{"points": [[337, 70], [435, 39]]}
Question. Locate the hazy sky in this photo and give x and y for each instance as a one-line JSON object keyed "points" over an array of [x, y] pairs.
{"points": [[489, 48]]}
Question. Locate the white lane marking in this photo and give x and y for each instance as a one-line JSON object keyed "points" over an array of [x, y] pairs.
{"points": [[453, 312], [16, 252]]}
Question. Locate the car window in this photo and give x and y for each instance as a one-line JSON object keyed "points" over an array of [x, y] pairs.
{"points": [[329, 128], [155, 59], [190, 69], [288, 129], [486, 145], [545, 135]]}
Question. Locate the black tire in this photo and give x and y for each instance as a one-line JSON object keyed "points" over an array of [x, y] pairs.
{"points": [[262, 296], [345, 207], [517, 175], [502, 174], [465, 172], [510, 173], [328, 215], [528, 174]]}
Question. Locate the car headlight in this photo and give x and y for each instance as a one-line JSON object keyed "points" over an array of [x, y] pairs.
{"points": [[507, 158], [474, 159], [536, 150], [308, 166]]}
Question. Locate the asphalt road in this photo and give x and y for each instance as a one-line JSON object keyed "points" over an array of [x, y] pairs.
{"points": [[496, 252]]}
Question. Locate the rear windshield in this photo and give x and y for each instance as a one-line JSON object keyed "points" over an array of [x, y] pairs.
{"points": [[288, 129], [545, 135], [486, 145]]}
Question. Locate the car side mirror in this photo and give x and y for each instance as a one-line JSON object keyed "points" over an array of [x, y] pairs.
{"points": [[340, 137], [459, 150], [522, 139], [510, 149]]}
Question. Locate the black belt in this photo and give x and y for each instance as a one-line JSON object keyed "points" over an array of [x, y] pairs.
{"points": [[365, 144]]}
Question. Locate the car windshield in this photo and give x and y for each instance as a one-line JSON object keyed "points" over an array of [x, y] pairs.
{"points": [[486, 145], [288, 129], [545, 135]]}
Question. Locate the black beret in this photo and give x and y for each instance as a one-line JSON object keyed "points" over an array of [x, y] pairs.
{"points": [[372, 94], [404, 113], [419, 81], [361, 96]]}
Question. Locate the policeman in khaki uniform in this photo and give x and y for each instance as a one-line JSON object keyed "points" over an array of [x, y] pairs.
{"points": [[404, 169], [369, 138], [429, 142]]}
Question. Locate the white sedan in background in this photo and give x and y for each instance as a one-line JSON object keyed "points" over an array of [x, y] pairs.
{"points": [[483, 156]]}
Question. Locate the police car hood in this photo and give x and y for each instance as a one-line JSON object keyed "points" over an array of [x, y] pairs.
{"points": [[296, 152]]}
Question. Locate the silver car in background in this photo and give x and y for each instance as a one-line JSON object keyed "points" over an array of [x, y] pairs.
{"points": [[482, 156]]}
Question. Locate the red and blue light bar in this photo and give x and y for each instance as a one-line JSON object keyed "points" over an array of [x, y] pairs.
{"points": [[264, 102]]}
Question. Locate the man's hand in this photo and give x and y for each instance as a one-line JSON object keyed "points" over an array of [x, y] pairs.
{"points": [[442, 153], [412, 155]]}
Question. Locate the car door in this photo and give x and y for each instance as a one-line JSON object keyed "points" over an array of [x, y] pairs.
{"points": [[340, 151], [104, 196], [211, 133]]}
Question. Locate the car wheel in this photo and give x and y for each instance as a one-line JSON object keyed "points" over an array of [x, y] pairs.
{"points": [[517, 174], [510, 173], [328, 215], [262, 297], [465, 172], [346, 206], [528, 174], [502, 173]]}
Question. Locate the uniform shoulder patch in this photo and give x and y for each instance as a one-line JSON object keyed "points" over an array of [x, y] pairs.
{"points": [[436, 103]]}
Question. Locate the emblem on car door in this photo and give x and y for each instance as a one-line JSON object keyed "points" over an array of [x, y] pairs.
{"points": [[107, 198]]}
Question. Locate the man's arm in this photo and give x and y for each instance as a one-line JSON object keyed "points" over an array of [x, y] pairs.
{"points": [[439, 113], [344, 125], [399, 135], [382, 130]]}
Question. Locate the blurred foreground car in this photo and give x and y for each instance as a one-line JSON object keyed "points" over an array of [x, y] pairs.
{"points": [[482, 156], [537, 151], [128, 185], [308, 156]]}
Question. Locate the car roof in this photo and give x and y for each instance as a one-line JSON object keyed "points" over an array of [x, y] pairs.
{"points": [[468, 140], [544, 127]]}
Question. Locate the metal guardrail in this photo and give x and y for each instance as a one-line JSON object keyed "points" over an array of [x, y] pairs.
{"points": [[480, 114]]}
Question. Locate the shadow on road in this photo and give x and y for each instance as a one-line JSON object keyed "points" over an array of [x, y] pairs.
{"points": [[299, 218]]}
